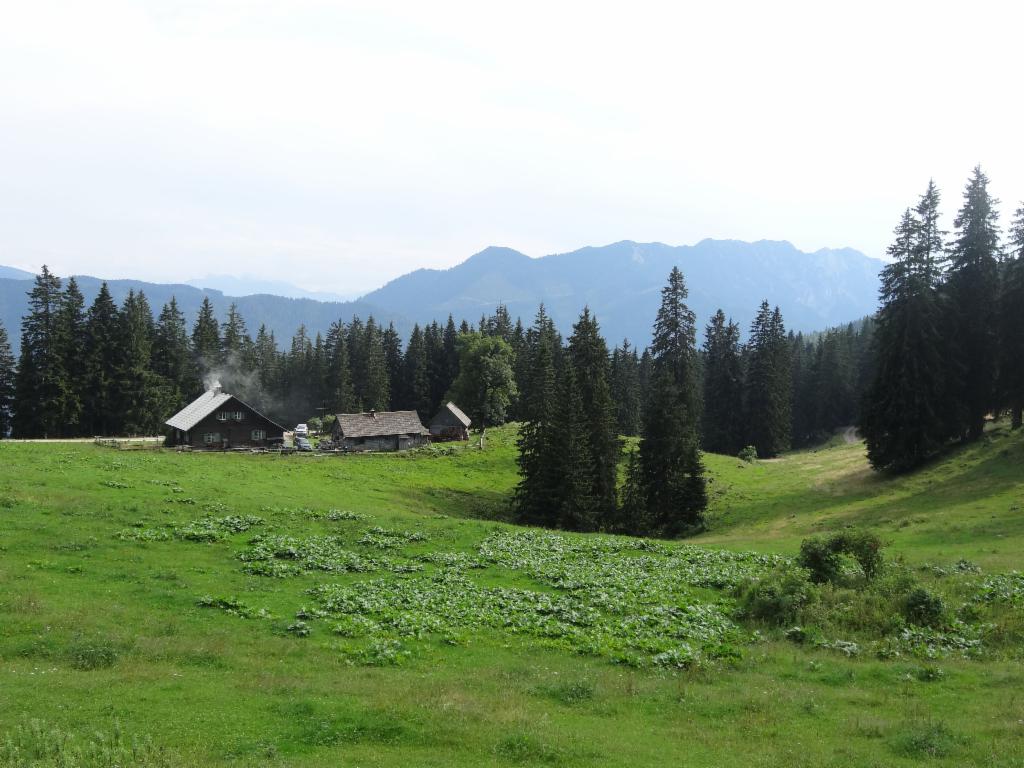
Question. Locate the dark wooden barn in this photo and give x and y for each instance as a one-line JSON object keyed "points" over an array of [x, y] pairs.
{"points": [[217, 420], [379, 431], [450, 423]]}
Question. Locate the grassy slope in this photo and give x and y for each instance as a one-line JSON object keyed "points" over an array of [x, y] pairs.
{"points": [[968, 504], [217, 689]]}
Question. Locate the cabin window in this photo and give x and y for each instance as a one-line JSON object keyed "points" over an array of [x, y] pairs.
{"points": [[259, 434], [239, 415], [211, 437], [223, 416]]}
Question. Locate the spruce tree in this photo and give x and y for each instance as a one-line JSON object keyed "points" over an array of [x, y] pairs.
{"points": [[341, 397], [580, 508], [973, 285], [902, 414], [415, 378], [625, 378], [540, 490], [440, 369], [1011, 324], [172, 358], [141, 396], [377, 391], [673, 475], [41, 391], [723, 387], [206, 344], [588, 358], [768, 396], [70, 340], [393, 361], [233, 338], [101, 411], [7, 380]]}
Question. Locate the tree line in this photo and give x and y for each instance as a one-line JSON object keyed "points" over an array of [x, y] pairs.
{"points": [[948, 349]]}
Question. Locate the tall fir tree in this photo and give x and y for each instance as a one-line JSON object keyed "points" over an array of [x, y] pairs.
{"points": [[769, 384], [172, 357], [540, 489], [723, 387], [902, 416], [206, 345], [393, 360], [7, 379], [341, 396], [625, 378], [973, 285], [588, 357], [674, 486], [580, 506], [377, 389], [71, 339], [1011, 324], [102, 412], [141, 395], [41, 392], [415, 378]]}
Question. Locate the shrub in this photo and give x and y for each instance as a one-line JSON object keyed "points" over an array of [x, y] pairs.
{"points": [[777, 598], [819, 557], [863, 546], [924, 609], [748, 454], [823, 557]]}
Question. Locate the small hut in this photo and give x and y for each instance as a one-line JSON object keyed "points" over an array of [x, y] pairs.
{"points": [[450, 423], [379, 431], [217, 420]]}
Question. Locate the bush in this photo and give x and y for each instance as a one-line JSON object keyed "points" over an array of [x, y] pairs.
{"points": [[924, 609], [778, 598], [819, 557], [863, 546], [823, 557], [748, 454]]}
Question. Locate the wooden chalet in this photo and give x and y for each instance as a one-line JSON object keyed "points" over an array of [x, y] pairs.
{"points": [[450, 423], [379, 431], [217, 420]]}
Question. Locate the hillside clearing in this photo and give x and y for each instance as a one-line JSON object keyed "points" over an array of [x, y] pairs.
{"points": [[255, 610]]}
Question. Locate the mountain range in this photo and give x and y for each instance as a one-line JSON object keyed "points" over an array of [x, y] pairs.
{"points": [[621, 284]]}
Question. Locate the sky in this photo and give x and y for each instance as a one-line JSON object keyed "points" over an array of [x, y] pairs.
{"points": [[339, 145]]}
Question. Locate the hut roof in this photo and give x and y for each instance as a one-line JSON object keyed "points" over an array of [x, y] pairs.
{"points": [[380, 424], [204, 405], [455, 411]]}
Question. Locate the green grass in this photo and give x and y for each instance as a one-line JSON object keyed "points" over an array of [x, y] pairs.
{"points": [[970, 504], [103, 635]]}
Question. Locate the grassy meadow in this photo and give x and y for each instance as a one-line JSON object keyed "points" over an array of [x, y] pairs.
{"points": [[159, 608]]}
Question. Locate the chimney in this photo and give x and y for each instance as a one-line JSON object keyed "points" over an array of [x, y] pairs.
{"points": [[373, 414], [216, 388]]}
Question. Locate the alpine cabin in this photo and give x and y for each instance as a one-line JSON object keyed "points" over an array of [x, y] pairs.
{"points": [[379, 431], [217, 420], [450, 423]]}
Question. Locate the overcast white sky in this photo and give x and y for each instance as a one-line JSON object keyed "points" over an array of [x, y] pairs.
{"points": [[338, 145]]}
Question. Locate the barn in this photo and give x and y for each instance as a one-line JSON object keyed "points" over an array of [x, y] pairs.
{"points": [[379, 431], [450, 423], [217, 420]]}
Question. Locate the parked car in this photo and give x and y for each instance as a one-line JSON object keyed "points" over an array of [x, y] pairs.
{"points": [[325, 445], [301, 430], [303, 444]]}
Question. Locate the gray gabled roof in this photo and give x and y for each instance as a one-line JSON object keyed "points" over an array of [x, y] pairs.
{"points": [[203, 406], [380, 424], [457, 412]]}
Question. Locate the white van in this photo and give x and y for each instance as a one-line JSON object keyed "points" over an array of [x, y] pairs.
{"points": [[301, 430]]}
